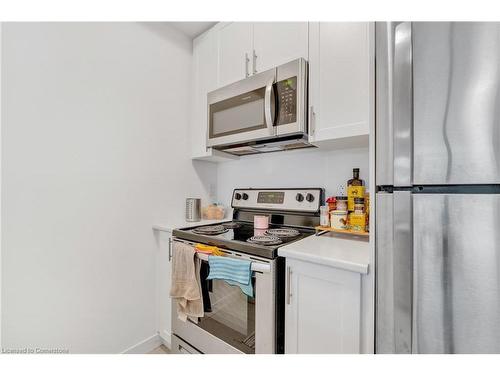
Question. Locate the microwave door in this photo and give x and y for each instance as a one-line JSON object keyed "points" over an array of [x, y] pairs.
{"points": [[243, 111]]}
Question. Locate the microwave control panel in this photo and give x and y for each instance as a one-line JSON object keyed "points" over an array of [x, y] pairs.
{"points": [[287, 99]]}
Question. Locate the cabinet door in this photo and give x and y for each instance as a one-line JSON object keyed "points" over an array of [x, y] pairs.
{"points": [[341, 80], [204, 80], [235, 51], [322, 313], [163, 282], [277, 43]]}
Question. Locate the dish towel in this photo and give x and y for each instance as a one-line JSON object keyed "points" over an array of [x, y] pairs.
{"points": [[185, 289], [233, 271]]}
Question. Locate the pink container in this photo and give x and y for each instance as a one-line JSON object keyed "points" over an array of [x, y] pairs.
{"points": [[261, 222], [259, 232]]}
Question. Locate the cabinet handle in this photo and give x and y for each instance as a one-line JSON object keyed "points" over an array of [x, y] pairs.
{"points": [[312, 118], [254, 62], [247, 60], [169, 249], [289, 285]]}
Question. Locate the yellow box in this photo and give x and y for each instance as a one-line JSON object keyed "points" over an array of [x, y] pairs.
{"points": [[357, 222]]}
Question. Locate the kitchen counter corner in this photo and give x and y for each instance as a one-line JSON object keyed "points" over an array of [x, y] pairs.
{"points": [[334, 250]]}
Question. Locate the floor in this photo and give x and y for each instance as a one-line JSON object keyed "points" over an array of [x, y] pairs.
{"points": [[162, 349]]}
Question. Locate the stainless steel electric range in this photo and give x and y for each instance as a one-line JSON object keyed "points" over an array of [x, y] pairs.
{"points": [[234, 322]]}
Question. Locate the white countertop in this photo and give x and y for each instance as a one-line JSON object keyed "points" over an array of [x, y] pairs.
{"points": [[330, 249], [168, 227]]}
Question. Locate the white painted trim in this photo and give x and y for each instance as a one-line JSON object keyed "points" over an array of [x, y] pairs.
{"points": [[145, 346], [0, 187], [166, 339], [369, 309]]}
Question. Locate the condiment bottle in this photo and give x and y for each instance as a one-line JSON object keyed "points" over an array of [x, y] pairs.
{"points": [[332, 203], [324, 216], [355, 189]]}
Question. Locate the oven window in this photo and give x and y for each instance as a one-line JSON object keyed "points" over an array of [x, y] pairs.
{"points": [[229, 313], [239, 114]]}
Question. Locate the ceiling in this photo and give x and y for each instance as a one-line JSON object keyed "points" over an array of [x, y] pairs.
{"points": [[192, 29]]}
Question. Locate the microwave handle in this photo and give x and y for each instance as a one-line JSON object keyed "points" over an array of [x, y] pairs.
{"points": [[268, 110]]}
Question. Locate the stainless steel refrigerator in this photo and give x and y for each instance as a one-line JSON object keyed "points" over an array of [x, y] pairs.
{"points": [[438, 187]]}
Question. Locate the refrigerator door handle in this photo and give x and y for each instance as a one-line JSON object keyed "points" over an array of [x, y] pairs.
{"points": [[402, 271], [384, 33], [403, 105], [393, 277]]}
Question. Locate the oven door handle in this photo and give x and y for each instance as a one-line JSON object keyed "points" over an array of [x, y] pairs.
{"points": [[256, 266], [270, 106]]}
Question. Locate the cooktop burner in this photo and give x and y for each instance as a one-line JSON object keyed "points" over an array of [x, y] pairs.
{"points": [[211, 230], [231, 225], [265, 240], [283, 232]]}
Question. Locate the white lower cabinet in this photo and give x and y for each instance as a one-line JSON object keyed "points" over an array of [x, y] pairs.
{"points": [[323, 309], [163, 282]]}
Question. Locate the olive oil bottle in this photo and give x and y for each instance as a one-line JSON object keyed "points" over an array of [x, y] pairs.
{"points": [[355, 189]]}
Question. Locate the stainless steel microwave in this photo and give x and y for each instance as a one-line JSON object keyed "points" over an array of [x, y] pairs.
{"points": [[262, 113]]}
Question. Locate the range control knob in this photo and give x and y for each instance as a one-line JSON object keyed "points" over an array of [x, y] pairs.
{"points": [[299, 197], [309, 197], [245, 196], [237, 196]]}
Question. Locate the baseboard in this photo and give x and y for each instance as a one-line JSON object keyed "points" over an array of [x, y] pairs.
{"points": [[145, 346], [166, 339]]}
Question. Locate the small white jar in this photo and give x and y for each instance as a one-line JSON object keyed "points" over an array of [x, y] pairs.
{"points": [[324, 216]]}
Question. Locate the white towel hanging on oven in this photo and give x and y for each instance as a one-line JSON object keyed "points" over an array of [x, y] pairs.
{"points": [[186, 289]]}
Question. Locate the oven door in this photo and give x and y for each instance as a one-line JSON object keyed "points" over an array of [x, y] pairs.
{"points": [[233, 322], [243, 111]]}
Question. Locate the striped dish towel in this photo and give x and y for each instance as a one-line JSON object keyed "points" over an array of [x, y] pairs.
{"points": [[233, 271]]}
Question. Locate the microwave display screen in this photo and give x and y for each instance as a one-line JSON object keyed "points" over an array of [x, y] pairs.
{"points": [[287, 97], [274, 197]]}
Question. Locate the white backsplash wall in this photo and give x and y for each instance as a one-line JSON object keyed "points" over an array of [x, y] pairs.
{"points": [[299, 168]]}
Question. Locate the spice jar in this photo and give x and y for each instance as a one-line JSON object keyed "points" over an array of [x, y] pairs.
{"points": [[359, 205], [332, 203], [341, 203]]}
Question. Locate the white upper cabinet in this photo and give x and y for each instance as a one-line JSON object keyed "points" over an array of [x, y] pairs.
{"points": [[205, 79], [341, 83], [235, 51], [248, 48], [277, 43], [341, 58]]}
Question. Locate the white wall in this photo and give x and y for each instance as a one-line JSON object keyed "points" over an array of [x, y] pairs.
{"points": [[94, 151], [299, 168]]}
